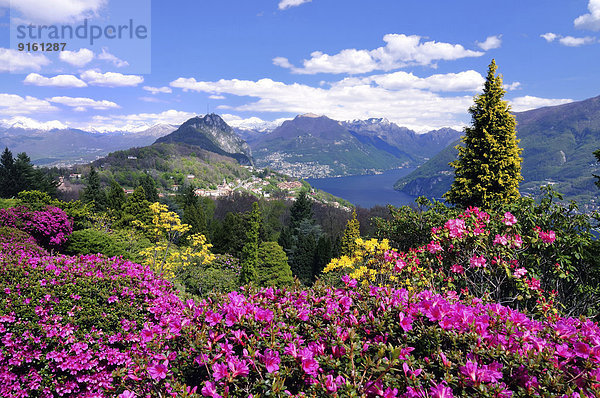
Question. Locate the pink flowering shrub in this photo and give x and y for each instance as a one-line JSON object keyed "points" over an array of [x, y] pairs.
{"points": [[50, 227], [72, 326]]}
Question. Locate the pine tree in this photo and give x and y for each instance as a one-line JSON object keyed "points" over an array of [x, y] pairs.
{"points": [[8, 183], [250, 251], [488, 168], [93, 193], [301, 210], [136, 207], [115, 197], [149, 188], [351, 233]]}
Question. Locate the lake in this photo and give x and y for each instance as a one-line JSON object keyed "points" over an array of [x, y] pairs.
{"points": [[366, 190]]}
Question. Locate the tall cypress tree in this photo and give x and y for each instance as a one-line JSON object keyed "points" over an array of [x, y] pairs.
{"points": [[488, 169], [351, 233], [115, 197], [249, 259], [149, 186]]}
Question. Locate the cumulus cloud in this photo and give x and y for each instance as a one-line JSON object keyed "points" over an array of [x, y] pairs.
{"points": [[528, 102], [18, 61], [399, 51], [156, 90], [569, 41], [106, 56], [591, 20], [56, 81], [82, 103], [345, 100], [550, 37], [490, 43], [283, 4], [55, 11], [110, 79], [77, 58], [12, 104]]}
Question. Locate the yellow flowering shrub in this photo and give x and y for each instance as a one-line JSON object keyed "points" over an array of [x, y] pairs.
{"points": [[165, 256], [375, 263]]}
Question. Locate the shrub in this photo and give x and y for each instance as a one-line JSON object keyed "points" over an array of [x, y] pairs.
{"points": [[110, 244], [220, 276], [50, 227]]}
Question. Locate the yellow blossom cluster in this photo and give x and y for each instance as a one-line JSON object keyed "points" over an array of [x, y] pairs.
{"points": [[165, 256]]}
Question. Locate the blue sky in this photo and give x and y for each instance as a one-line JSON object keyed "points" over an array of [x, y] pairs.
{"points": [[417, 63]]}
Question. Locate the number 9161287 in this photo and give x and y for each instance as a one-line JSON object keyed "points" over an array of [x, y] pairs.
{"points": [[45, 47]]}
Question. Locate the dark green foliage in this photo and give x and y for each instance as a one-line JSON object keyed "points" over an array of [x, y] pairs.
{"points": [[136, 207], [249, 258], [411, 227], [301, 210], [93, 192], [115, 198], [487, 172], [18, 175], [219, 276], [597, 155], [149, 186], [229, 236], [273, 268]]}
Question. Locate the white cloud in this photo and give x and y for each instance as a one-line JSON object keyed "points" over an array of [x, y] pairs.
{"points": [[216, 97], [528, 102], [590, 21], [110, 79], [18, 61], [12, 104], [569, 41], [136, 122], [28, 123], [400, 51], [512, 86], [55, 11], [77, 58], [345, 100], [156, 90], [491, 43], [550, 37], [106, 56], [81, 103], [56, 81], [283, 4], [463, 81]]}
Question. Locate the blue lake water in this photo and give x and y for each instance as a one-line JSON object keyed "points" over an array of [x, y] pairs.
{"points": [[366, 190]]}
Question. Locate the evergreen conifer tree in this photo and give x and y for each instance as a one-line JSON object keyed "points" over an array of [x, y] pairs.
{"points": [[273, 268], [249, 258], [488, 168], [115, 197], [147, 182], [351, 233], [8, 183], [136, 207], [93, 191]]}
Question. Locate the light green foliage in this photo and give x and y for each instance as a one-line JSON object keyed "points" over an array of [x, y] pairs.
{"points": [[249, 259], [273, 268], [136, 208], [488, 168], [351, 233], [120, 243], [80, 213]]}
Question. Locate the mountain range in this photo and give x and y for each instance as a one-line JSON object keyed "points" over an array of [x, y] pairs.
{"points": [[48, 146], [558, 144], [317, 146]]}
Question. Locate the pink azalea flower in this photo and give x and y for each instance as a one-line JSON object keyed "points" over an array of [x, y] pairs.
{"points": [[271, 360], [127, 394], [441, 391], [509, 219], [310, 366], [477, 261], [330, 384], [157, 370]]}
